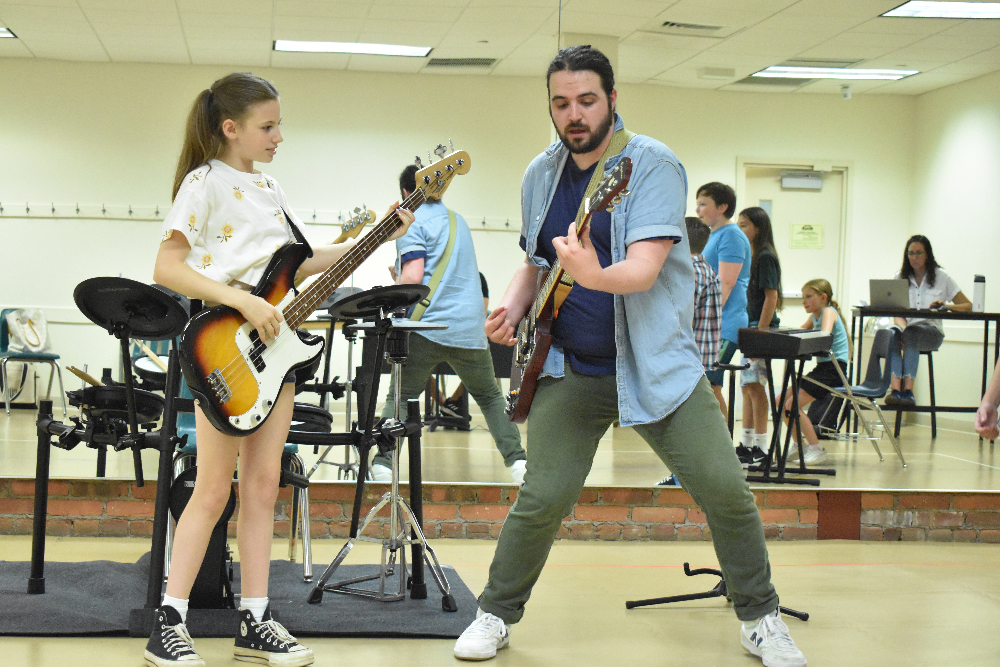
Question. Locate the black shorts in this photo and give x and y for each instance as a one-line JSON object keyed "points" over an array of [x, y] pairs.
{"points": [[825, 373]]}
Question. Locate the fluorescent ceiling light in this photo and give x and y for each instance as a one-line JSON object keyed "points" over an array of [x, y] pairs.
{"points": [[5, 32], [947, 10], [352, 47], [779, 72]]}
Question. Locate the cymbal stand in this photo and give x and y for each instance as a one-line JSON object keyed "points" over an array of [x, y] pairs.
{"points": [[401, 517], [719, 591]]}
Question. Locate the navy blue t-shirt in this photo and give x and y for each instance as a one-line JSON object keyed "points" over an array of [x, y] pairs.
{"points": [[584, 327]]}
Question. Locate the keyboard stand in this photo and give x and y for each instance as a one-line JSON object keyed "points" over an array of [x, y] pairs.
{"points": [[778, 454]]}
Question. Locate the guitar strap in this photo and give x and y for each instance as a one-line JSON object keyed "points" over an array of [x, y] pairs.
{"points": [[296, 233], [418, 312], [619, 140]]}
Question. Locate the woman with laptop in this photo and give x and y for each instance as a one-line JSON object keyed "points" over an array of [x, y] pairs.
{"points": [[930, 289]]}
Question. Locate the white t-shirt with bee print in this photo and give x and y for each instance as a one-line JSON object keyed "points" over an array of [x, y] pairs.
{"points": [[233, 221]]}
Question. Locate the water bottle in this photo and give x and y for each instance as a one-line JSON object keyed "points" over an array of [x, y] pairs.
{"points": [[979, 294]]}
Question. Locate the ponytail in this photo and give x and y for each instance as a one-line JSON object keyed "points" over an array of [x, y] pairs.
{"points": [[823, 286], [228, 98]]}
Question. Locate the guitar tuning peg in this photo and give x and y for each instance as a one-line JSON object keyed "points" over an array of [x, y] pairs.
{"points": [[417, 161], [451, 146], [440, 151], [624, 193], [610, 207], [429, 160]]}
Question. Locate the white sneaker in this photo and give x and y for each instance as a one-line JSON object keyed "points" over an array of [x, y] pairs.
{"points": [[381, 473], [814, 454], [517, 470], [793, 453], [482, 639], [768, 639]]}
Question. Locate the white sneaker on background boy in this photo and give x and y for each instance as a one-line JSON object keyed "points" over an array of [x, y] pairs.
{"points": [[381, 473], [482, 639], [768, 639], [517, 470], [814, 454]]}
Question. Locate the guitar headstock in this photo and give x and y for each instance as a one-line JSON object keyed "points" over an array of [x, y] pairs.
{"points": [[611, 190], [434, 179], [352, 227]]}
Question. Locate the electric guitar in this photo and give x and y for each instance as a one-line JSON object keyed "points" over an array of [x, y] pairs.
{"points": [[234, 375], [534, 333]]}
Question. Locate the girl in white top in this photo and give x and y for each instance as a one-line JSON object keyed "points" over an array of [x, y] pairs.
{"points": [[226, 222], [930, 289]]}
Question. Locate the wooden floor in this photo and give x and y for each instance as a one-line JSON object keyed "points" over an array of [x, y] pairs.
{"points": [[955, 460], [884, 604]]}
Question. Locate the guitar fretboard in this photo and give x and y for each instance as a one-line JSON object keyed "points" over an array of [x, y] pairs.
{"points": [[303, 305]]}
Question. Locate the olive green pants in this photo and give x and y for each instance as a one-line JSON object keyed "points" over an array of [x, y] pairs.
{"points": [[567, 419], [475, 369]]}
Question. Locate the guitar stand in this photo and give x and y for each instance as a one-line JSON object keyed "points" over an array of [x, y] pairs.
{"points": [[778, 455], [401, 517], [719, 591]]}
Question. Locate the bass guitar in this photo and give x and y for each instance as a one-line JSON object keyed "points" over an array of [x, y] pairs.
{"points": [[534, 333], [235, 376]]}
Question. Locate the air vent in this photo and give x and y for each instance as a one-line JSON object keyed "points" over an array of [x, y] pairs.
{"points": [[673, 25], [461, 62], [686, 29], [818, 62]]}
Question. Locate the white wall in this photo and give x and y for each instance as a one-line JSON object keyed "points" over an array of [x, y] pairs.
{"points": [[956, 199], [109, 133]]}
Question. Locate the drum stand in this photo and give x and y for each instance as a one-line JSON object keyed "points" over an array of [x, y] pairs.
{"points": [[719, 591], [347, 469], [405, 524]]}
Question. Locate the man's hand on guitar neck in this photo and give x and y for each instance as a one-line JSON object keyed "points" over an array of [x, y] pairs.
{"points": [[578, 257]]}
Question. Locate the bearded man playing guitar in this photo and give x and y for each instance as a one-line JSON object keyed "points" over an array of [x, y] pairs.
{"points": [[622, 349]]}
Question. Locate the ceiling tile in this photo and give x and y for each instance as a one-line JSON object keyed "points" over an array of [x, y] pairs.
{"points": [[317, 29], [901, 25], [322, 9]]}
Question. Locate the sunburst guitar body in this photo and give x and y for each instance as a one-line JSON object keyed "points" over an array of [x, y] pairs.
{"points": [[237, 379]]}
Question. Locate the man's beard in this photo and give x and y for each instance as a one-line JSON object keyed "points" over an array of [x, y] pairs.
{"points": [[595, 139]]}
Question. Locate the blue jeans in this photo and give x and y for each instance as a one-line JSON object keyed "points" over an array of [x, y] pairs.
{"points": [[917, 337]]}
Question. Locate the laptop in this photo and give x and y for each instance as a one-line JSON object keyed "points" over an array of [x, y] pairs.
{"points": [[891, 294]]}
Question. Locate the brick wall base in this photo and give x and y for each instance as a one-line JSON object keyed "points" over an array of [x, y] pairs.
{"points": [[120, 508]]}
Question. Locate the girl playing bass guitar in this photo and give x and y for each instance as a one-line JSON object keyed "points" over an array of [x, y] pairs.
{"points": [[226, 222]]}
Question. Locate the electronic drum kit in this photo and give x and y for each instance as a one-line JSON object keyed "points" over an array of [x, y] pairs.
{"points": [[125, 415]]}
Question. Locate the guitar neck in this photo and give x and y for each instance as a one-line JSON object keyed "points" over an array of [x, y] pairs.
{"points": [[547, 290], [303, 305]]}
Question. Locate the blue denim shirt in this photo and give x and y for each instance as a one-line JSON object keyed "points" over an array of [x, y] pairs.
{"points": [[458, 300], [658, 364]]}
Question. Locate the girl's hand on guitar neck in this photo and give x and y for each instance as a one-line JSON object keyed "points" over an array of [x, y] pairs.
{"points": [[261, 315], [406, 217]]}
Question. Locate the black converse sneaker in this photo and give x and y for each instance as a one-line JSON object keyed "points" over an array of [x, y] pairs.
{"points": [[170, 643], [269, 643]]}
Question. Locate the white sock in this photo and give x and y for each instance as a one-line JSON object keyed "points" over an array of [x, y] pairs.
{"points": [[762, 441], [180, 605], [255, 605], [747, 438]]}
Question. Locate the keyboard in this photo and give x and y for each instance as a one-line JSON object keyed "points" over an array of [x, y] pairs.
{"points": [[783, 343]]}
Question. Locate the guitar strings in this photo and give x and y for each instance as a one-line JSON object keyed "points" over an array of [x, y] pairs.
{"points": [[305, 303]]}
